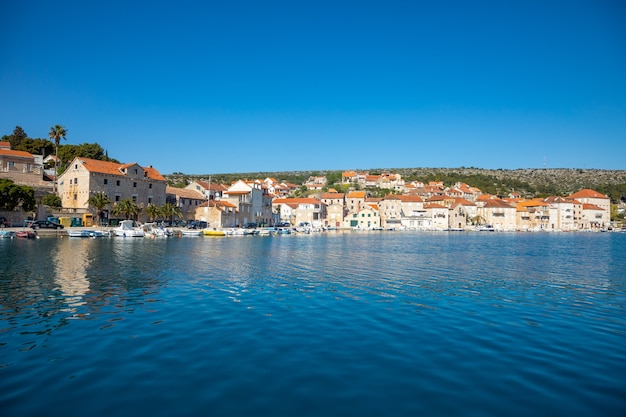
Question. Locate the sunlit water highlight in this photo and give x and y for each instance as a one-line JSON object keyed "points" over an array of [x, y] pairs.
{"points": [[322, 325]]}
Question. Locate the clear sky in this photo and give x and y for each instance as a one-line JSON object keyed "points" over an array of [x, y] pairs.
{"points": [[245, 86]]}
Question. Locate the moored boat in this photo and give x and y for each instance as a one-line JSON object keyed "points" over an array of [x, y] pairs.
{"points": [[87, 233], [7, 234], [27, 234], [210, 232], [127, 228], [191, 232]]}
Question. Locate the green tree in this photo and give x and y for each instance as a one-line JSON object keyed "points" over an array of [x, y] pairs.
{"points": [[170, 210], [57, 132], [13, 196], [153, 211], [126, 207], [52, 200], [99, 201], [36, 146], [16, 138]]}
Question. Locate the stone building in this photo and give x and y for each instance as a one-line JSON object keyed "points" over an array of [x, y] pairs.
{"points": [[84, 177]]}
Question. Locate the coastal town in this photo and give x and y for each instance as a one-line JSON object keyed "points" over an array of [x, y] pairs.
{"points": [[270, 202]]}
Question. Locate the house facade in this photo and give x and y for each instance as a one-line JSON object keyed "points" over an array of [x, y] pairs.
{"points": [[85, 177], [599, 218], [186, 200]]}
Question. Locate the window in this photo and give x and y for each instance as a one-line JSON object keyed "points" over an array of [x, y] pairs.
{"points": [[135, 171], [149, 185], [134, 199], [75, 180], [106, 181], [117, 197], [117, 183], [75, 197], [149, 200], [134, 185]]}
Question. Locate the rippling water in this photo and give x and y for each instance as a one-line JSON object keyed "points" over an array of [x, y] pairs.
{"points": [[484, 324]]}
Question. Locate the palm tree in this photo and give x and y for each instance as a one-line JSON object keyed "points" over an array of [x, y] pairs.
{"points": [[170, 210], [127, 207], [99, 201], [57, 132], [153, 211]]}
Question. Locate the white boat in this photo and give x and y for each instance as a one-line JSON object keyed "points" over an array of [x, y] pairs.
{"points": [[6, 234], [152, 230], [127, 228], [87, 233], [191, 232]]}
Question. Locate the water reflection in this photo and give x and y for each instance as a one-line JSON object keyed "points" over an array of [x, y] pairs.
{"points": [[71, 261]]}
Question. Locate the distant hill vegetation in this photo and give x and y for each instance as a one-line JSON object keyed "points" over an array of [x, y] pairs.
{"points": [[527, 182]]}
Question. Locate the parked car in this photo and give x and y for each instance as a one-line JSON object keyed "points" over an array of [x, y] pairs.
{"points": [[4, 222], [45, 224]]}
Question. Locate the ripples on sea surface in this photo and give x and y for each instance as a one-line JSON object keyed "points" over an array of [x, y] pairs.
{"points": [[483, 324]]}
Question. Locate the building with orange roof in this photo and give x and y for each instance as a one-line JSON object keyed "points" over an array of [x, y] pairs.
{"points": [[210, 189], [297, 211], [593, 217], [84, 177], [461, 214], [532, 215], [497, 213], [600, 219], [438, 213], [355, 200], [564, 213], [365, 218], [21, 167], [185, 199], [253, 201], [219, 214]]}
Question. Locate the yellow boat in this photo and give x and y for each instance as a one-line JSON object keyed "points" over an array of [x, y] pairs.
{"points": [[207, 232]]}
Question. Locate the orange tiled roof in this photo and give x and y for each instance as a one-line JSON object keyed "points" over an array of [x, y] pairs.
{"points": [[114, 168], [588, 193], [410, 198], [333, 196], [356, 194], [18, 154], [592, 207]]}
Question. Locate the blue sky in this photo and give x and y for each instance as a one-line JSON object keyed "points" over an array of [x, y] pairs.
{"points": [[245, 86]]}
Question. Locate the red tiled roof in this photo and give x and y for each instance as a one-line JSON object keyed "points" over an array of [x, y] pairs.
{"points": [[333, 196], [587, 193], [16, 154], [114, 168], [592, 207]]}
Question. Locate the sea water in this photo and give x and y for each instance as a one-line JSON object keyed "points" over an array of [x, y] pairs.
{"points": [[334, 324]]}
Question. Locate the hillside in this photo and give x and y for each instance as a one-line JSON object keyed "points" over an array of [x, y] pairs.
{"points": [[528, 182]]}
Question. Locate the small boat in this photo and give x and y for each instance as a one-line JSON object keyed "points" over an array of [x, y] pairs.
{"points": [[152, 230], [7, 234], [87, 233], [213, 232], [27, 234], [191, 232], [485, 228], [127, 228]]}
